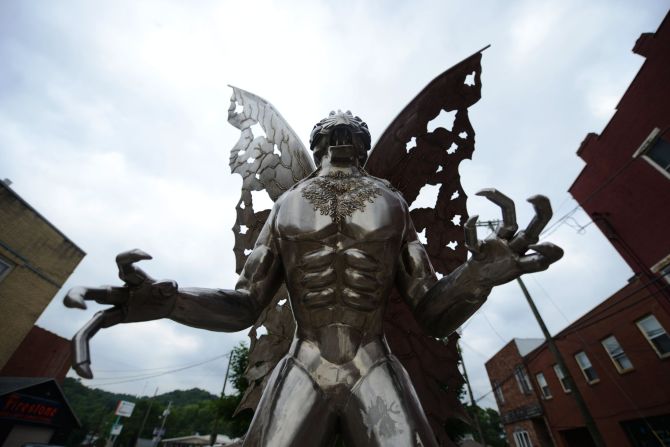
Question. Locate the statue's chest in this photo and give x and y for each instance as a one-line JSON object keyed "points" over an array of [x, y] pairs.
{"points": [[360, 210]]}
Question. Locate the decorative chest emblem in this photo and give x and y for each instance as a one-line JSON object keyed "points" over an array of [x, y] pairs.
{"points": [[338, 195]]}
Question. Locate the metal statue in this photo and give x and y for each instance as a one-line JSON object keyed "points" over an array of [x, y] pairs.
{"points": [[344, 245]]}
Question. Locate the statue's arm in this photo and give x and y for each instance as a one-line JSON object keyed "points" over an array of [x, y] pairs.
{"points": [[237, 309], [441, 306]]}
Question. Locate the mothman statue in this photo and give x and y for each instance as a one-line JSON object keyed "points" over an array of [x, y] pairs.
{"points": [[340, 246]]}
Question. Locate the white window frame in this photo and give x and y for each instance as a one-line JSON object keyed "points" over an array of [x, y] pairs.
{"points": [[616, 364], [542, 385], [649, 339], [584, 367], [561, 378], [522, 438], [647, 144]]}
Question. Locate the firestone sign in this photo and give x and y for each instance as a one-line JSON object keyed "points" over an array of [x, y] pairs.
{"points": [[29, 408]]}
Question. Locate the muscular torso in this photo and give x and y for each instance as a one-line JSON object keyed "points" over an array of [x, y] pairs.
{"points": [[339, 273]]}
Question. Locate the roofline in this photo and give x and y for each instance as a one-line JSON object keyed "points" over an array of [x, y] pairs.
{"points": [[30, 207]]}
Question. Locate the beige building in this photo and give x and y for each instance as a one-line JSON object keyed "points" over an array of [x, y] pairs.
{"points": [[35, 260]]}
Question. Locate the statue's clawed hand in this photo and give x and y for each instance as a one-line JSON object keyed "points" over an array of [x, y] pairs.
{"points": [[141, 298], [503, 256]]}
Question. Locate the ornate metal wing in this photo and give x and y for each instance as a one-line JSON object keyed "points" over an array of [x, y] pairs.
{"points": [[411, 154], [269, 156]]}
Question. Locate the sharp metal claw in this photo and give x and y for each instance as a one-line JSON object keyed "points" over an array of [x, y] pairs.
{"points": [[75, 298], [531, 234], [509, 226], [129, 273], [81, 357], [471, 241], [543, 214]]}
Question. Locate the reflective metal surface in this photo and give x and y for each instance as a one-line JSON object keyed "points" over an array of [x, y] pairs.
{"points": [[339, 372], [341, 241]]}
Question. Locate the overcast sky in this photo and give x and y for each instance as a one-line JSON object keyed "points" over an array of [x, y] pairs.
{"points": [[113, 126]]}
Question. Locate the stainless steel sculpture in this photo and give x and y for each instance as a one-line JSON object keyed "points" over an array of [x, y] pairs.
{"points": [[342, 242]]}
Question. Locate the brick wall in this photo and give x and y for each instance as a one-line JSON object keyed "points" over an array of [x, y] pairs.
{"points": [[41, 259], [518, 409]]}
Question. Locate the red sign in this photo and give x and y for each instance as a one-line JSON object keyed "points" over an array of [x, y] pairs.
{"points": [[28, 408]]}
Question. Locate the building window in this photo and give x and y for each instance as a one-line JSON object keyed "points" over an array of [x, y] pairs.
{"points": [[656, 151], [616, 353], [498, 392], [664, 272], [544, 386], [522, 379], [587, 369], [522, 439], [561, 378], [662, 268], [655, 334]]}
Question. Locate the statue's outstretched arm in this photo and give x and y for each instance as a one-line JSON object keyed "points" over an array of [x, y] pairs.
{"points": [[443, 306], [142, 298], [234, 310]]}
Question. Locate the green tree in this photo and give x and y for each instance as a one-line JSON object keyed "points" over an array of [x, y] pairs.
{"points": [[489, 421], [228, 422]]}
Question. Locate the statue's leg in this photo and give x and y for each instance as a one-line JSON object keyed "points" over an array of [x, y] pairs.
{"points": [[385, 411], [292, 412]]}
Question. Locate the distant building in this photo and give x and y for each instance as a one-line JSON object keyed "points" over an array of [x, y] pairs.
{"points": [[40, 354], [619, 352], [35, 260], [625, 185], [34, 411], [521, 411]]}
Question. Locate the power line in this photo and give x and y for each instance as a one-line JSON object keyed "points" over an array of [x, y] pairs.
{"points": [[160, 374], [154, 370]]}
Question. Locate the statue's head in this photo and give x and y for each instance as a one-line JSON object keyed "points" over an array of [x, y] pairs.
{"points": [[343, 131]]}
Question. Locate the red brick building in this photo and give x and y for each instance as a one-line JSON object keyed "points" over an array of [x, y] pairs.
{"points": [[619, 352], [625, 185], [40, 354], [521, 411]]}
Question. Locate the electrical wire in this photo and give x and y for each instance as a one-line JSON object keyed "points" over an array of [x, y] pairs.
{"points": [[138, 370], [151, 376]]}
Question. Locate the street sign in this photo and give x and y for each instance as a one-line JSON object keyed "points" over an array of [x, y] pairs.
{"points": [[116, 430], [124, 408]]}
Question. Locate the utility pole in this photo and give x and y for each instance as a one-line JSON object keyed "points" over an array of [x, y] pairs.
{"points": [[166, 413], [212, 437], [146, 416], [579, 399], [473, 404]]}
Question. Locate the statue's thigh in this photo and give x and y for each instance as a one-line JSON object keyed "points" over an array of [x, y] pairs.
{"points": [[292, 411], [385, 411]]}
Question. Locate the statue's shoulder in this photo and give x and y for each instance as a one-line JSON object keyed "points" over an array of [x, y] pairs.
{"points": [[387, 187], [382, 183]]}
